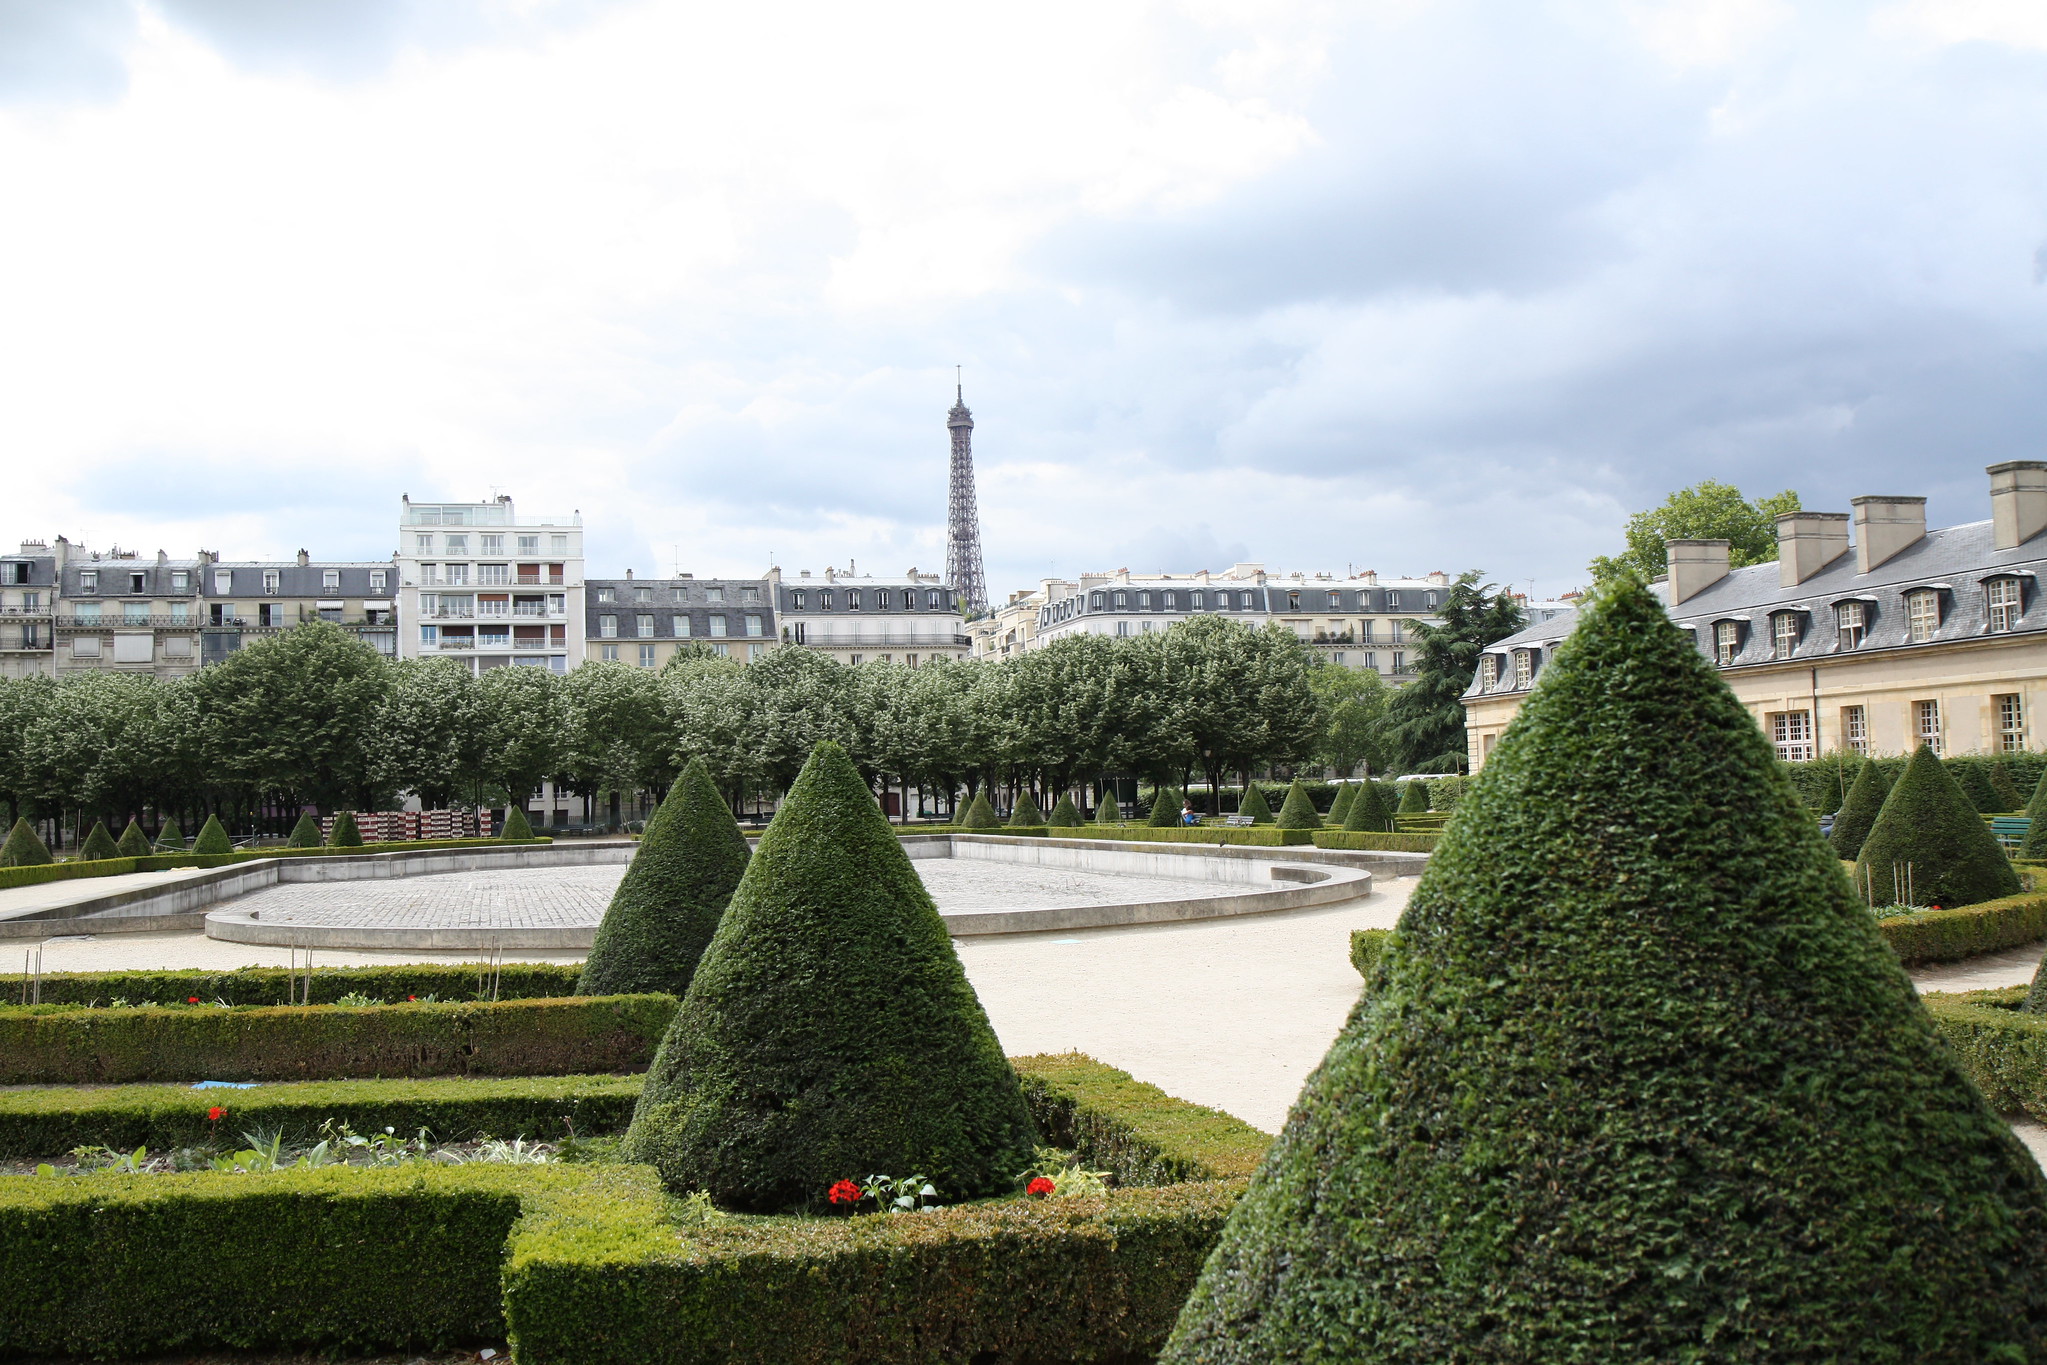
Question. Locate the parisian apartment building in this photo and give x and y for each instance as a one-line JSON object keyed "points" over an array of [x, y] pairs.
{"points": [[911, 618], [481, 585], [646, 621], [1869, 633]]}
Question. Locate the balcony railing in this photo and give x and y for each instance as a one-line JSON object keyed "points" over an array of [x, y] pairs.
{"points": [[864, 640], [26, 611], [126, 622]]}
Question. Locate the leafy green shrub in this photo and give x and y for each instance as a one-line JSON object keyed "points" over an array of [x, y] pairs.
{"points": [[1254, 806], [1258, 836], [1971, 773], [2000, 1042], [518, 827], [1165, 808], [1517, 1148], [1367, 946], [1107, 811], [1297, 811], [1368, 813], [1928, 823], [1823, 782], [830, 1030], [1025, 813], [2008, 798], [212, 838], [275, 985], [99, 845], [1446, 792], [1359, 841], [673, 894], [1340, 807], [1065, 815], [67, 1044], [1414, 798], [2034, 846], [980, 815], [1866, 793], [1951, 935], [170, 837], [24, 847], [133, 843], [46, 1122], [306, 833], [344, 834], [1133, 1129]]}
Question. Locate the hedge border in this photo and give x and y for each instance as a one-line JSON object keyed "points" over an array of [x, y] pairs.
{"points": [[1368, 841], [2003, 1050], [1256, 836], [275, 985], [37, 874], [1950, 935]]}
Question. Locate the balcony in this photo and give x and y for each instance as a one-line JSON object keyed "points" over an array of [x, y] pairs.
{"points": [[30, 612], [127, 622], [487, 514], [870, 640]]}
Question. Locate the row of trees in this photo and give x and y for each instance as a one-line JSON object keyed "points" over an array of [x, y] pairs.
{"points": [[314, 717]]}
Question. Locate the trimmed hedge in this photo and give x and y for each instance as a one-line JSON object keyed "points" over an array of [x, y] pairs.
{"points": [[60, 1044], [1258, 836], [43, 1123], [133, 843], [1136, 1130], [1255, 806], [212, 838], [2003, 1049], [518, 828], [273, 985], [1362, 842], [1025, 813], [1065, 815], [99, 845], [306, 833], [980, 815], [1928, 824], [24, 849], [1298, 810], [1950, 935], [1368, 813], [1367, 946], [1165, 808], [1859, 809], [33, 875]]}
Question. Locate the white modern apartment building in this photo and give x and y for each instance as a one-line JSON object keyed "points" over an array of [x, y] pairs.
{"points": [[861, 618], [481, 584]]}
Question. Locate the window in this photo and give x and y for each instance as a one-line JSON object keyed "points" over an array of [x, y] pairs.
{"points": [[270, 613], [2004, 603], [824, 600], [423, 545], [177, 647], [429, 573], [678, 626], [1335, 601], [1489, 672], [1096, 601], [85, 647], [1122, 600], [714, 594], [853, 659], [1365, 630], [799, 635], [1144, 599], [643, 594], [529, 545], [458, 545], [1726, 641], [430, 636], [796, 600], [1393, 601], [458, 574], [1791, 732], [223, 582], [717, 626], [135, 613], [1524, 667], [1855, 729], [88, 612], [607, 627], [138, 583], [1197, 600], [1922, 615], [1926, 723], [557, 605], [852, 599], [380, 580], [1122, 627], [752, 596], [490, 545], [181, 581], [605, 595], [494, 575], [1293, 601], [181, 612], [609, 653], [1851, 624], [1784, 638], [1399, 663], [753, 626], [1372, 662], [934, 600], [2011, 723], [89, 581], [644, 627], [646, 656], [558, 543], [493, 606], [754, 652]]}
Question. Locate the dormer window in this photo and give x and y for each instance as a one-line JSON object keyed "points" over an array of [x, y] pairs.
{"points": [[1122, 600], [852, 599], [1851, 624], [1784, 634], [1726, 641], [1393, 601], [1922, 615], [933, 599], [1096, 601], [1198, 600], [2006, 599], [89, 580], [824, 600], [796, 600], [1144, 599], [1524, 667], [1489, 673], [1335, 600]]}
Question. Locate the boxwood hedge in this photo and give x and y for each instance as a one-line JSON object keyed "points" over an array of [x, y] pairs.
{"points": [[2003, 1048], [1367, 946], [1365, 842], [276, 985], [1950, 935], [1258, 836], [36, 875]]}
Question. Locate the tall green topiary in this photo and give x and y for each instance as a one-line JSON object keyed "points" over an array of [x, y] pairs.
{"points": [[980, 815], [1025, 813], [830, 1031], [1971, 774], [306, 833], [1108, 811], [1637, 1080], [25, 847], [170, 838], [1368, 813], [99, 845], [2008, 798], [2034, 848], [1928, 823], [1065, 815], [1414, 798], [1298, 810], [1165, 808], [133, 843], [1339, 809], [517, 826], [673, 893], [1858, 811], [1254, 806], [212, 838], [344, 833]]}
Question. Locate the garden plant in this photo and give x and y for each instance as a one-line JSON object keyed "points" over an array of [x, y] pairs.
{"points": [[1929, 846]]}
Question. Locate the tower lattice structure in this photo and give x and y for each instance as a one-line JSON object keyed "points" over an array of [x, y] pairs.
{"points": [[963, 515]]}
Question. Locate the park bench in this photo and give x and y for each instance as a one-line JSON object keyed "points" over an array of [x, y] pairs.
{"points": [[1238, 821], [2010, 829]]}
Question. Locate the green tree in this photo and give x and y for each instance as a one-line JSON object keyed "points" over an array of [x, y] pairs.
{"points": [[432, 732], [980, 815], [170, 838], [298, 713], [133, 843], [99, 844], [1065, 815], [1414, 798], [1025, 813], [306, 833], [2034, 847], [1425, 719], [1254, 805], [25, 848], [1165, 808], [344, 834], [1705, 511], [518, 827], [672, 896], [1340, 807], [1350, 718], [1368, 813], [1859, 809], [212, 838], [1517, 1150], [526, 717], [1298, 810], [1930, 834], [1972, 774], [830, 1030], [1109, 812]]}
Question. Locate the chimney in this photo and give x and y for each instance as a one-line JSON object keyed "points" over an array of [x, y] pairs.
{"points": [[304, 559], [1695, 565], [1885, 526], [2018, 501], [628, 575], [1807, 542]]}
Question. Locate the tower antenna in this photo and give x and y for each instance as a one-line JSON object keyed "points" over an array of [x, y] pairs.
{"points": [[963, 568]]}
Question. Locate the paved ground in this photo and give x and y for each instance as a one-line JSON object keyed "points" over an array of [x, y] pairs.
{"points": [[23, 900]]}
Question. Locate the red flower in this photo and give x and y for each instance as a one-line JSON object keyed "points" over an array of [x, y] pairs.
{"points": [[216, 1114], [191, 999], [412, 997], [1040, 1186], [845, 1192]]}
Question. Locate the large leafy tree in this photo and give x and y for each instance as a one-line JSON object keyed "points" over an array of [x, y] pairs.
{"points": [[1350, 717], [1705, 511], [297, 714], [526, 715], [1425, 719], [433, 733]]}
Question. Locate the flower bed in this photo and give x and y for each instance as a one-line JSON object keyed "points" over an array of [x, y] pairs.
{"points": [[60, 1044], [275, 985], [37, 874], [1950, 935]]}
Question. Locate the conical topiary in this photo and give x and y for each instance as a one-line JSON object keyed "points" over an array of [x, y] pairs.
{"points": [[344, 834], [1108, 811], [1971, 774], [133, 843], [170, 837], [212, 838], [1368, 813], [1298, 810], [1339, 809], [1025, 813], [99, 845], [517, 826], [1519, 1149], [673, 893], [1858, 810], [25, 847], [1165, 808], [830, 1031], [1254, 806], [980, 815], [1929, 835], [2034, 847], [1065, 815], [306, 833], [2008, 798], [1414, 798]]}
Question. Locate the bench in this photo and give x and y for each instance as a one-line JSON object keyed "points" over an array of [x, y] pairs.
{"points": [[2010, 829], [1238, 821]]}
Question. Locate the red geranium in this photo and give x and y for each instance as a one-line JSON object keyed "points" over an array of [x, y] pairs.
{"points": [[191, 999], [216, 1114], [1040, 1186], [845, 1192]]}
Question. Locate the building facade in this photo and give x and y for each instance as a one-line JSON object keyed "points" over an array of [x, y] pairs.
{"points": [[861, 618], [246, 600], [118, 612], [1876, 641], [481, 585], [646, 621], [28, 595]]}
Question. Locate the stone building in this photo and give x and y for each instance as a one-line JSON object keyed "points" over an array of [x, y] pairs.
{"points": [[644, 621], [248, 599], [28, 604], [118, 612], [1869, 633], [860, 618], [479, 584]]}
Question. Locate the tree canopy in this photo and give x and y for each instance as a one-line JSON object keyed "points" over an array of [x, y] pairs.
{"points": [[1705, 511], [1425, 719]]}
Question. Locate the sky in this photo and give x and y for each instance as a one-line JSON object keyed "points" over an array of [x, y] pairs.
{"points": [[1400, 285]]}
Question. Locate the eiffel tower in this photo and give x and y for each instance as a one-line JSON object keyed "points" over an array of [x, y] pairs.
{"points": [[962, 514]]}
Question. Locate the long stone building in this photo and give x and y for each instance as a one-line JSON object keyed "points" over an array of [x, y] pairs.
{"points": [[1869, 633]]}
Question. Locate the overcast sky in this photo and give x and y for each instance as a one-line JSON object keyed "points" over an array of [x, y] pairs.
{"points": [[1399, 285]]}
